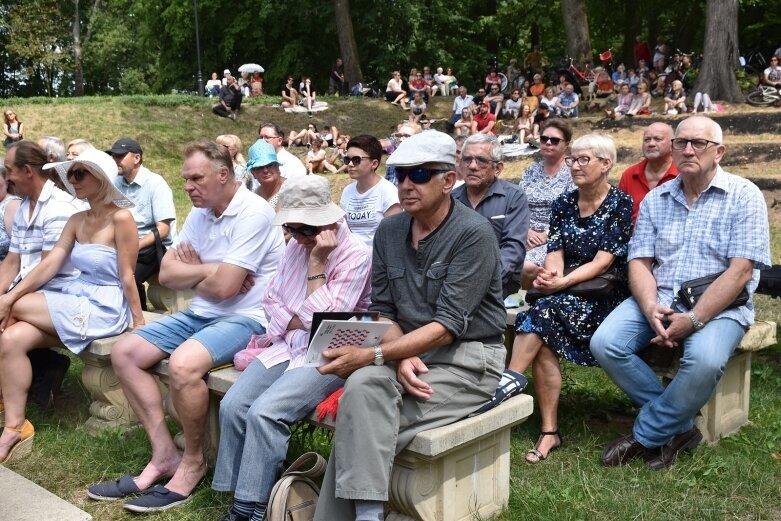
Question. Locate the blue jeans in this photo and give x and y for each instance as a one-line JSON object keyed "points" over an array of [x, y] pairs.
{"points": [[255, 418], [665, 411]]}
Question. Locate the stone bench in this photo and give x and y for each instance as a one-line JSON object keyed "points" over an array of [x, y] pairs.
{"points": [[727, 410], [458, 472]]}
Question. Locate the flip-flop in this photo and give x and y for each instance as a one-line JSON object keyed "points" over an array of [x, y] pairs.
{"points": [[113, 490], [156, 499]]}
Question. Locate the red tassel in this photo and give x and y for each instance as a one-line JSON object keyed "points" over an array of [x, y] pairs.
{"points": [[330, 405]]}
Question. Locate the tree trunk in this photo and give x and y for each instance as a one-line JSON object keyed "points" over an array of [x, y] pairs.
{"points": [[78, 75], [632, 26], [720, 56], [347, 45], [576, 30]]}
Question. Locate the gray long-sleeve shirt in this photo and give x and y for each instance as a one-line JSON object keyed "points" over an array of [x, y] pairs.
{"points": [[505, 205], [453, 278]]}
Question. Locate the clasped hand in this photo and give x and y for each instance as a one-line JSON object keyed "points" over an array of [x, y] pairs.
{"points": [[670, 327], [535, 238], [549, 281]]}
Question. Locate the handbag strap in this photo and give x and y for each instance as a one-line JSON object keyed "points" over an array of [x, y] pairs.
{"points": [[313, 460]]}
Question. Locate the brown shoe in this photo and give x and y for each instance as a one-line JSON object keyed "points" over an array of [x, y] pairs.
{"points": [[621, 451], [24, 445], [669, 453]]}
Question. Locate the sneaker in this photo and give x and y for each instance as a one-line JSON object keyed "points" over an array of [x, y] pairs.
{"points": [[511, 384]]}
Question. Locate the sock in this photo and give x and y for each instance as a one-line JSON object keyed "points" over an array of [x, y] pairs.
{"points": [[243, 508], [259, 513], [366, 510]]}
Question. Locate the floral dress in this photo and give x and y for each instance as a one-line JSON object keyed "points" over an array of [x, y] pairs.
{"points": [[565, 322], [541, 190]]}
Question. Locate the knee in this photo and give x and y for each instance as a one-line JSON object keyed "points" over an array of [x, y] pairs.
{"points": [[183, 370], [603, 344], [122, 353], [365, 381], [231, 408]]}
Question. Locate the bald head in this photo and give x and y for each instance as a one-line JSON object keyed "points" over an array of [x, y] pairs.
{"points": [[706, 127], [657, 145]]}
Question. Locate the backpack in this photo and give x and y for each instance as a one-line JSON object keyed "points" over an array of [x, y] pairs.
{"points": [[294, 497]]}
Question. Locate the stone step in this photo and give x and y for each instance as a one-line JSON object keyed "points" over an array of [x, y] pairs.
{"points": [[23, 500]]}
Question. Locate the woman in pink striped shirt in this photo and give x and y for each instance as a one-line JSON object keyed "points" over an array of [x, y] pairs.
{"points": [[325, 268]]}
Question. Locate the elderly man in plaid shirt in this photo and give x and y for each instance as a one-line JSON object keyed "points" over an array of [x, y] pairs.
{"points": [[705, 222]]}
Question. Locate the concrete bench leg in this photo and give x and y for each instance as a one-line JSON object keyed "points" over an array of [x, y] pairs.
{"points": [[109, 408], [727, 410], [472, 481]]}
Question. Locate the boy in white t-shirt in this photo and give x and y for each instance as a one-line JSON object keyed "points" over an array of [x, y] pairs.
{"points": [[370, 198]]}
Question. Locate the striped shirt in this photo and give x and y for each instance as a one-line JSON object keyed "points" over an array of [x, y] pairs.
{"points": [[728, 220], [39, 232], [347, 288]]}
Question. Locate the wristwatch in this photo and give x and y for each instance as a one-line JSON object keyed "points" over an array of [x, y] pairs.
{"points": [[378, 358], [695, 321]]}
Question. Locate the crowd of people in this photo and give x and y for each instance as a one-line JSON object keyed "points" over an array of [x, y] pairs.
{"points": [[434, 247]]}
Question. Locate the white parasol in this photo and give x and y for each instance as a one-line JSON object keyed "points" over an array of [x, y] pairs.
{"points": [[249, 68]]}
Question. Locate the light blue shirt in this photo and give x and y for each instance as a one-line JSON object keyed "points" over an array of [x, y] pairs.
{"points": [[460, 103], [153, 199], [728, 220]]}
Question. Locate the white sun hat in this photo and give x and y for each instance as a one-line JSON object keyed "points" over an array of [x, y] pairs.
{"points": [[99, 164]]}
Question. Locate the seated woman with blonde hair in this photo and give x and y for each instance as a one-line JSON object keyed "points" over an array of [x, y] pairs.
{"points": [[102, 243]]}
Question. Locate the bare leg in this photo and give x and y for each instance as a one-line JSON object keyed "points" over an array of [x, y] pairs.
{"points": [[525, 349], [131, 358], [547, 384], [190, 397]]}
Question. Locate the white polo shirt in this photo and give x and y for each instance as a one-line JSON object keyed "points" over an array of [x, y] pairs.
{"points": [[39, 232], [289, 165], [243, 236]]}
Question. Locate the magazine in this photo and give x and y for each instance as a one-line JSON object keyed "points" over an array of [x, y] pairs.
{"points": [[338, 333]]}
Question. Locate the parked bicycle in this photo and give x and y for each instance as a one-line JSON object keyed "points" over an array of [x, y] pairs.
{"points": [[764, 96]]}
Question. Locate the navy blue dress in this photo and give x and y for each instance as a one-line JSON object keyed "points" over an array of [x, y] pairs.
{"points": [[565, 322]]}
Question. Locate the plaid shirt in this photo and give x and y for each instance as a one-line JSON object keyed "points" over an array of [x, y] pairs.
{"points": [[728, 220]]}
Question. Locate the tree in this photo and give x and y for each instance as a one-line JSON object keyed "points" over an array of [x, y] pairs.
{"points": [[576, 30], [347, 45], [78, 66], [717, 74]]}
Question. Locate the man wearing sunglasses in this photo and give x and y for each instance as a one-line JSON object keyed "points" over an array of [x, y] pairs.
{"points": [[704, 222], [436, 275], [503, 204]]}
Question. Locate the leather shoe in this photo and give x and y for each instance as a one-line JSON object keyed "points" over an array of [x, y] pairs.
{"points": [[669, 453], [621, 451]]}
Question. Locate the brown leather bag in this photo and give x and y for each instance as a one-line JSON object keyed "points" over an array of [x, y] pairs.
{"points": [[600, 286]]}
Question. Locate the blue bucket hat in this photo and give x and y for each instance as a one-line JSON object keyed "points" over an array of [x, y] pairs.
{"points": [[261, 154]]}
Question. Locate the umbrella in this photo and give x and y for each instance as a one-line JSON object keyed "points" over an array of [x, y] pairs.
{"points": [[249, 68]]}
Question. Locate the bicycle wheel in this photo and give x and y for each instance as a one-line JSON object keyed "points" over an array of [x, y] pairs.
{"points": [[758, 99], [505, 82]]}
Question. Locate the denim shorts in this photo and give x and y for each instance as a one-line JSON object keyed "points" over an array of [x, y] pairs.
{"points": [[222, 336]]}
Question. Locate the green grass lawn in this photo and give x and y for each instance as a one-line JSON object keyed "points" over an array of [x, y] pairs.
{"points": [[738, 479]]}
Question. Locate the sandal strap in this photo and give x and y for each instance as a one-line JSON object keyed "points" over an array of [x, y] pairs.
{"points": [[15, 429], [535, 452], [552, 433]]}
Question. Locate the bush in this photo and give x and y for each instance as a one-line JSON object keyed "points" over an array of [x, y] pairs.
{"points": [[133, 82]]}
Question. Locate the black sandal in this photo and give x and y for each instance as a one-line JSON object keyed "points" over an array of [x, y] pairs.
{"points": [[536, 452]]}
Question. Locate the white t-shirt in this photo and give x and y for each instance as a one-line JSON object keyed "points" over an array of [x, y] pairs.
{"points": [[289, 165], [365, 211], [243, 236], [773, 74]]}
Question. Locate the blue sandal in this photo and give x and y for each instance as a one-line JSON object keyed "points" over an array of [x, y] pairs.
{"points": [[156, 499], [113, 490], [511, 384]]}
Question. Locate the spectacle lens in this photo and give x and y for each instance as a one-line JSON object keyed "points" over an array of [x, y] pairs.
{"points": [[697, 144], [550, 139], [418, 175], [481, 161], [77, 174], [353, 160], [305, 230]]}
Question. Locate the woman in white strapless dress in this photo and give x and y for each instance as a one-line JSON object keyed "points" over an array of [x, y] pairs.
{"points": [[102, 243]]}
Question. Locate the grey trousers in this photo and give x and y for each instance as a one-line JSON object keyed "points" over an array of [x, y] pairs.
{"points": [[377, 420]]}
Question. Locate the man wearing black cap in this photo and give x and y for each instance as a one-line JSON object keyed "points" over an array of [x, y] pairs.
{"points": [[154, 210]]}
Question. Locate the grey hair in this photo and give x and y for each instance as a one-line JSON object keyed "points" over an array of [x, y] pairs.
{"points": [[54, 146], [714, 129], [496, 147], [600, 145]]}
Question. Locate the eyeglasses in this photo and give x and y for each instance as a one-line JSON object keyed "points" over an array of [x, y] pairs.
{"points": [[354, 160], [582, 160], [697, 144], [305, 230], [551, 139], [481, 161], [263, 168], [77, 174], [417, 175], [266, 138]]}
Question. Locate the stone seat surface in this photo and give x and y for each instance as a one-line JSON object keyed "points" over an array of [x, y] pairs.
{"points": [[102, 346], [23, 500]]}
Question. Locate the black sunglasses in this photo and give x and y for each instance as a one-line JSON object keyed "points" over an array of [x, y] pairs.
{"points": [[305, 230], [550, 139], [77, 174], [417, 175], [354, 160]]}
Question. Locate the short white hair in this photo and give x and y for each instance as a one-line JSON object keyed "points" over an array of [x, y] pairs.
{"points": [[600, 145]]}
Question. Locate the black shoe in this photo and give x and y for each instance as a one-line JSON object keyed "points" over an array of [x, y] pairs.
{"points": [[621, 451], [50, 368], [230, 516], [669, 453]]}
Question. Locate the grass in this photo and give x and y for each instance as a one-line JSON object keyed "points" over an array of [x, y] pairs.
{"points": [[737, 479]]}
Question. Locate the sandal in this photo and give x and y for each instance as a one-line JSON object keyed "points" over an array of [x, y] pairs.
{"points": [[511, 384], [536, 451], [24, 445]]}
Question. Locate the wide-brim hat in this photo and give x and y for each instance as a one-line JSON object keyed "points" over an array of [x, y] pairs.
{"points": [[261, 154], [99, 164], [307, 200]]}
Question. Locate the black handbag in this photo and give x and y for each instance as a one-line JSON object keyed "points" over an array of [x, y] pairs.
{"points": [[598, 287], [692, 290]]}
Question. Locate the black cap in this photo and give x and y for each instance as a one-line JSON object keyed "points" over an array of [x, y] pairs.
{"points": [[125, 145]]}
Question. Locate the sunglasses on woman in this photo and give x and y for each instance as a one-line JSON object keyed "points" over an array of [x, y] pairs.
{"points": [[305, 230], [77, 174], [417, 175], [354, 160], [550, 139]]}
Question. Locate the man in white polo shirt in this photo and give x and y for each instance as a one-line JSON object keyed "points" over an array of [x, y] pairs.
{"points": [[226, 253], [289, 165], [154, 210]]}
